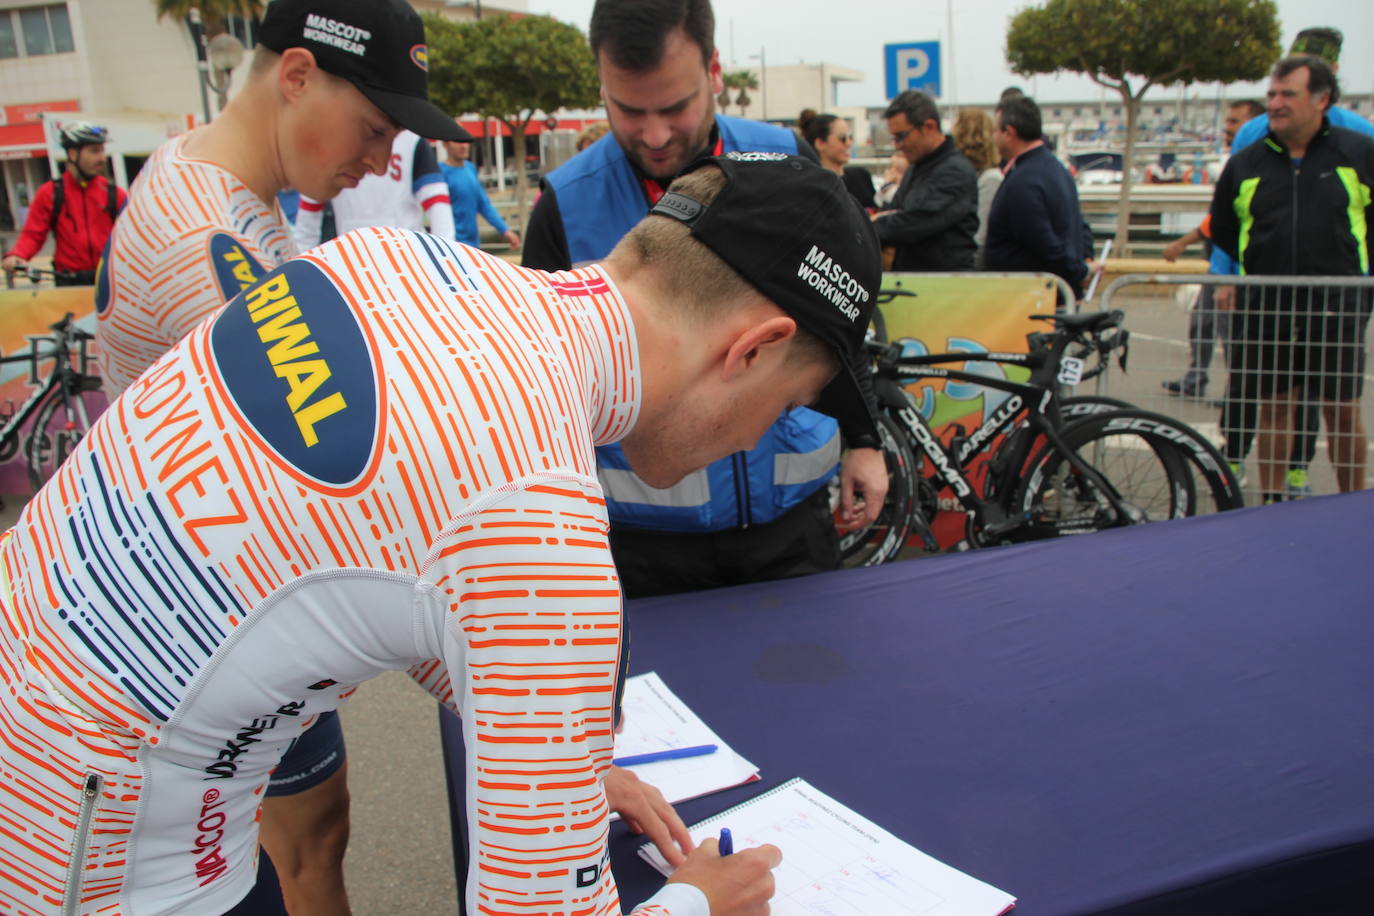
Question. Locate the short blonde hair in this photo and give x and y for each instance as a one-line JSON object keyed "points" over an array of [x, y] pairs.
{"points": [[973, 135], [591, 133]]}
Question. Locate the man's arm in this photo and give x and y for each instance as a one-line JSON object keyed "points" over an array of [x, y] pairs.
{"points": [[491, 215], [431, 190], [929, 206], [35, 231], [1175, 249], [1225, 224], [546, 246], [309, 224], [537, 712]]}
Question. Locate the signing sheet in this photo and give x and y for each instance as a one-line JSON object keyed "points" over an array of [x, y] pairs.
{"points": [[656, 720], [838, 863]]}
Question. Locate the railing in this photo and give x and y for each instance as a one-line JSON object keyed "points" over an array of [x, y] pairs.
{"points": [[1275, 381]]}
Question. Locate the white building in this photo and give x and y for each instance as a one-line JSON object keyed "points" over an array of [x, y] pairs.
{"points": [[112, 62], [785, 90]]}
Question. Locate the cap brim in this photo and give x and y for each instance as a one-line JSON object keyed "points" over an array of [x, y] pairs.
{"points": [[843, 398], [417, 115]]}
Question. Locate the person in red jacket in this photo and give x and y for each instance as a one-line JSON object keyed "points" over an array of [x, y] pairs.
{"points": [[81, 214]]}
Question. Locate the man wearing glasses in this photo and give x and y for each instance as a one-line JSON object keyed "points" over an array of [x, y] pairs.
{"points": [[934, 216]]}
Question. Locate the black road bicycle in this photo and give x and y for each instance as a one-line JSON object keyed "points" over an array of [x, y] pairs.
{"points": [[57, 406], [1055, 466]]}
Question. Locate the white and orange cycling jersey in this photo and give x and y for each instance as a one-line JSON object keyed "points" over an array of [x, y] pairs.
{"points": [[192, 236], [409, 193], [378, 457]]}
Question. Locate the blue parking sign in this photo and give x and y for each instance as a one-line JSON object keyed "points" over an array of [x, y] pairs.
{"points": [[912, 65]]}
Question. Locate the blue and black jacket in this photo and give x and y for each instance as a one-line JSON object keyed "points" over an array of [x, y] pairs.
{"points": [[588, 205], [1311, 216]]}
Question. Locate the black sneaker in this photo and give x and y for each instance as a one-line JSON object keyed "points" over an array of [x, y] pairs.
{"points": [[1186, 387]]}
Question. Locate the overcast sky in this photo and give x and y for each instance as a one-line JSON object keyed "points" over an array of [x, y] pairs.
{"points": [[851, 33]]}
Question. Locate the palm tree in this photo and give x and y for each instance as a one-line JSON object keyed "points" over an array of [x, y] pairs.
{"points": [[726, 98], [205, 19], [212, 13], [744, 81]]}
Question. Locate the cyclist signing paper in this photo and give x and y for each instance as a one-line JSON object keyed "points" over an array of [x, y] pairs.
{"points": [[380, 456]]}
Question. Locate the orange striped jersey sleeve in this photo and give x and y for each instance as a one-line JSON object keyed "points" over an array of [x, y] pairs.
{"points": [[192, 236]]}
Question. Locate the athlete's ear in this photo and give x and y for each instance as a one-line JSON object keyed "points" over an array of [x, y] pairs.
{"points": [[752, 343], [715, 74], [295, 72]]}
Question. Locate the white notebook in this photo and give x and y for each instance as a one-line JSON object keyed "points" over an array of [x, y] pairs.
{"points": [[837, 862], [656, 720]]}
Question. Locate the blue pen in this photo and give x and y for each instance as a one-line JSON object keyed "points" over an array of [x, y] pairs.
{"points": [[671, 754], [727, 842]]}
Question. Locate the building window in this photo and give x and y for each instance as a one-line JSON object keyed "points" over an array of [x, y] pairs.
{"points": [[34, 30]]}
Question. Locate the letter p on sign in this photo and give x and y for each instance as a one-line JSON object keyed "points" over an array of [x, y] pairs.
{"points": [[912, 65]]}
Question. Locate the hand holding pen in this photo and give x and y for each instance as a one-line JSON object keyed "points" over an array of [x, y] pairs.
{"points": [[735, 883]]}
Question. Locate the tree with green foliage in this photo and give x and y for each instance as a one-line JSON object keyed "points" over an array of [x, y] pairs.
{"points": [[1130, 46], [727, 95], [744, 81], [510, 68]]}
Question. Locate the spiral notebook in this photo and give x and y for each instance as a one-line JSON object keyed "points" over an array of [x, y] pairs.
{"points": [[655, 719], [836, 861]]}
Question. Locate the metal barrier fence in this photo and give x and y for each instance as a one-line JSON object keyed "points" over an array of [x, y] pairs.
{"points": [[1275, 381]]}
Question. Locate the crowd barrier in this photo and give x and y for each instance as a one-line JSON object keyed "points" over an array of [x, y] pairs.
{"points": [[1301, 334]]}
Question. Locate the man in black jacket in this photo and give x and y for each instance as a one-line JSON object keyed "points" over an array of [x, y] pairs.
{"points": [[1298, 203], [1035, 223], [935, 213]]}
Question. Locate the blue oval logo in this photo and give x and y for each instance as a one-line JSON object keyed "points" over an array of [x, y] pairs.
{"points": [[102, 278], [298, 367], [235, 268]]}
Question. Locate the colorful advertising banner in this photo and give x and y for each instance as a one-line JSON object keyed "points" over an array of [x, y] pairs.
{"points": [[953, 313], [26, 314]]}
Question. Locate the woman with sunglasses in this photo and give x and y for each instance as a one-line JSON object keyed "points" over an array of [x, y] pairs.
{"points": [[830, 136]]}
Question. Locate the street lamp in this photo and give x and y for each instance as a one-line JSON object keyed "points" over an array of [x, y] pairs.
{"points": [[226, 53], [762, 58], [216, 60]]}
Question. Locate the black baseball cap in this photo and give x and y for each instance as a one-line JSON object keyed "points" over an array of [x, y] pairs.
{"points": [[377, 45], [1320, 41], [793, 231]]}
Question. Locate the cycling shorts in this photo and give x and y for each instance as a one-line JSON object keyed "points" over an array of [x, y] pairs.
{"points": [[314, 757]]}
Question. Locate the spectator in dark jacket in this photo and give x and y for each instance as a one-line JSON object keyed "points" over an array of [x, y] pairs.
{"points": [[935, 212], [1035, 223]]}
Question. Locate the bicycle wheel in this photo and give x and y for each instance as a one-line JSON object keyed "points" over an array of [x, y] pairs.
{"points": [[1079, 406], [1195, 461], [881, 541], [59, 424], [1157, 467]]}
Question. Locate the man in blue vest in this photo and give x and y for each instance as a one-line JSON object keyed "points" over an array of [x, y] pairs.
{"points": [[761, 514]]}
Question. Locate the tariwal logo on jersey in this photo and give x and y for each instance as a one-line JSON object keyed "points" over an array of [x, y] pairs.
{"points": [[297, 365], [235, 269]]}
